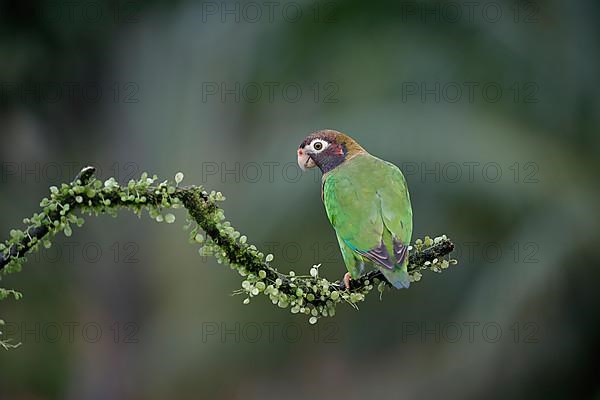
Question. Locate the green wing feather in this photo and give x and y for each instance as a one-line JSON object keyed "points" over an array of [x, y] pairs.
{"points": [[367, 203]]}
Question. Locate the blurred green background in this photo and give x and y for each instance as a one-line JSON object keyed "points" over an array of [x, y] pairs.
{"points": [[492, 110]]}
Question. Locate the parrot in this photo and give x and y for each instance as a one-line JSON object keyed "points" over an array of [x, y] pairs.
{"points": [[367, 203]]}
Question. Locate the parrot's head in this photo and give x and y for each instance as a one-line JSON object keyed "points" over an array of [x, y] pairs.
{"points": [[326, 149]]}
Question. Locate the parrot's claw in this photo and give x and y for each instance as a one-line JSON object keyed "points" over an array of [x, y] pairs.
{"points": [[347, 280]]}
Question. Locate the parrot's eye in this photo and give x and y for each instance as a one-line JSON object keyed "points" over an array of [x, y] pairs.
{"points": [[318, 145]]}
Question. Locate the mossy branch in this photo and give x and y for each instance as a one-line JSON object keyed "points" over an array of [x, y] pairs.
{"points": [[308, 294]]}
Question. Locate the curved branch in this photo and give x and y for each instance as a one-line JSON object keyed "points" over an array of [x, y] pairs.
{"points": [[19, 250], [308, 294]]}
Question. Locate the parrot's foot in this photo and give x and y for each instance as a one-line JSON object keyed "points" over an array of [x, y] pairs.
{"points": [[347, 280]]}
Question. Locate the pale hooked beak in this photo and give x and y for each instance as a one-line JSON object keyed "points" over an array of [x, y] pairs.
{"points": [[304, 160]]}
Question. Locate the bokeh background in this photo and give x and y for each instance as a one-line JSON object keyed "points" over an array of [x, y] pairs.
{"points": [[492, 110]]}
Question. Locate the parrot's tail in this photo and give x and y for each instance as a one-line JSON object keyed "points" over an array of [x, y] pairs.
{"points": [[398, 277]]}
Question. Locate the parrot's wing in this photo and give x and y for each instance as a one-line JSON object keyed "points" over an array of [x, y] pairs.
{"points": [[396, 210]]}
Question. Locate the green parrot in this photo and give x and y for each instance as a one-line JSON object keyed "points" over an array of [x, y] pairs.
{"points": [[367, 203]]}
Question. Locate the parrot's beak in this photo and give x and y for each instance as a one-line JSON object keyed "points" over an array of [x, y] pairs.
{"points": [[304, 160]]}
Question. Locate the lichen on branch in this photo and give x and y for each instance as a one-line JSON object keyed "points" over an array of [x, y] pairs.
{"points": [[308, 294]]}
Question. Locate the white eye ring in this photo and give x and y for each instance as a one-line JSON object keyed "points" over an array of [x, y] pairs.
{"points": [[318, 145]]}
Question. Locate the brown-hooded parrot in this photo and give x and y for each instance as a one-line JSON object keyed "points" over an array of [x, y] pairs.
{"points": [[367, 203]]}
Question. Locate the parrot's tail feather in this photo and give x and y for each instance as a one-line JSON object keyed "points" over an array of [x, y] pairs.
{"points": [[398, 277]]}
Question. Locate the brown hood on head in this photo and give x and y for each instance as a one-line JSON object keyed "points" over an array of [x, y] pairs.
{"points": [[335, 136], [327, 149]]}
